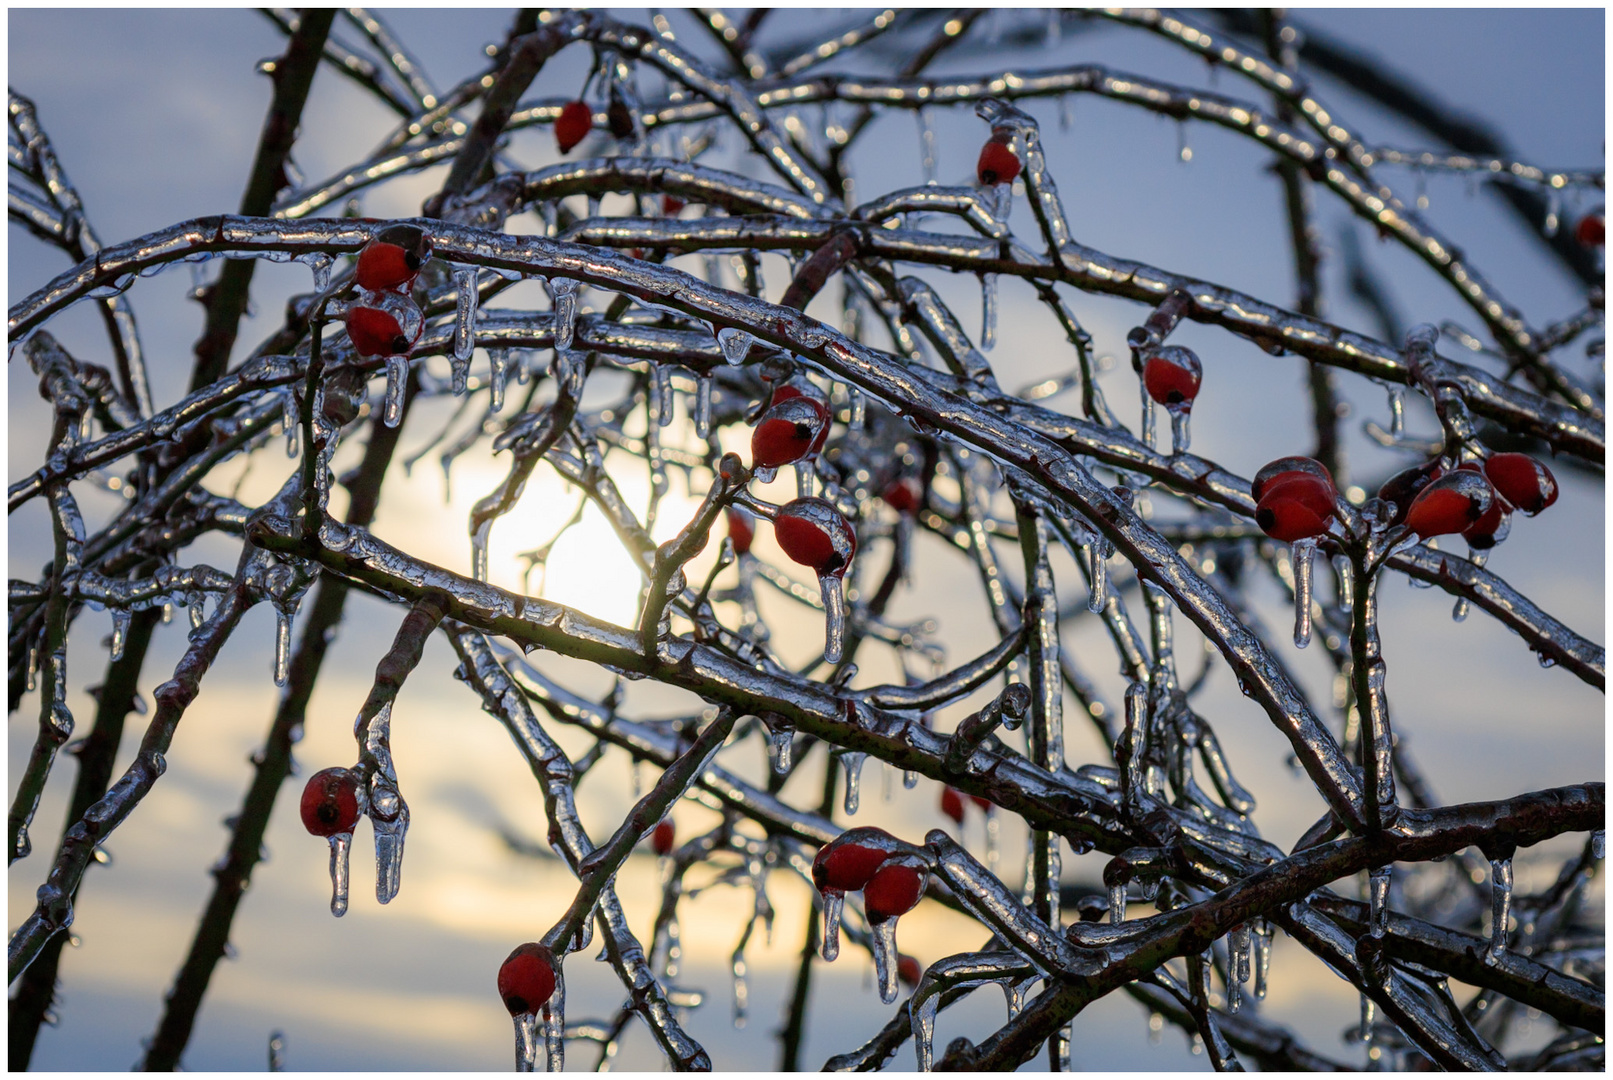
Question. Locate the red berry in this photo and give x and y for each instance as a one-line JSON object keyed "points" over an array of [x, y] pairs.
{"points": [[952, 804], [788, 431], [908, 970], [1522, 481], [895, 889], [1403, 486], [741, 530], [1490, 529], [670, 205], [981, 801], [526, 979], [813, 533], [576, 119], [998, 164], [1171, 374], [663, 838], [375, 332], [1591, 230], [905, 495], [1451, 504], [392, 258], [850, 859], [1271, 471], [330, 802], [1295, 508]]}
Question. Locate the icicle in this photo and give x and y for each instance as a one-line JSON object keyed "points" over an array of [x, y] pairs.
{"points": [[555, 1014], [993, 839], [500, 360], [478, 549], [565, 312], [858, 405], [1136, 735], [780, 747], [1554, 206], [282, 643], [674, 948], [340, 845], [1368, 1013], [526, 1042], [1500, 908], [923, 1018], [320, 264], [1477, 558], [663, 387], [702, 406], [397, 378], [926, 145], [1181, 429], [833, 902], [735, 345], [288, 420], [741, 989], [1183, 151], [988, 311], [1014, 996], [1599, 844], [1397, 411], [885, 958], [1098, 564], [1302, 555], [1344, 575], [834, 618], [852, 762], [1149, 437], [1378, 901], [1117, 904], [1237, 966], [120, 635], [1066, 112], [805, 477], [196, 606], [464, 326], [1263, 938], [1422, 190], [1156, 1028]]}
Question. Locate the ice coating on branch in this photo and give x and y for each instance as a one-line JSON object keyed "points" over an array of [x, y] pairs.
{"points": [[663, 395], [389, 813], [1117, 904], [1262, 964], [565, 312], [988, 312], [341, 845], [1097, 559], [1500, 908], [735, 344], [852, 762], [466, 299], [554, 1015], [526, 1042], [923, 1017], [1302, 556], [288, 421], [1237, 965], [499, 361]]}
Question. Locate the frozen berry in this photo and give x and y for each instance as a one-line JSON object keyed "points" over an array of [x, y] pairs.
{"points": [[895, 889], [741, 530], [671, 205], [330, 802], [816, 535], [1404, 486], [998, 164], [375, 332], [1522, 481], [908, 970], [663, 838], [1172, 374], [1296, 507], [393, 258], [526, 980], [1451, 504], [788, 431], [904, 495], [952, 804], [1591, 230], [1280, 469], [850, 859], [576, 118]]}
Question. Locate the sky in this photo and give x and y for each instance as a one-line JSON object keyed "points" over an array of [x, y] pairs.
{"points": [[155, 116]]}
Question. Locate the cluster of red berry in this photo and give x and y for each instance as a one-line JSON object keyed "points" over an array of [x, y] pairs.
{"points": [[384, 320], [892, 876]]}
